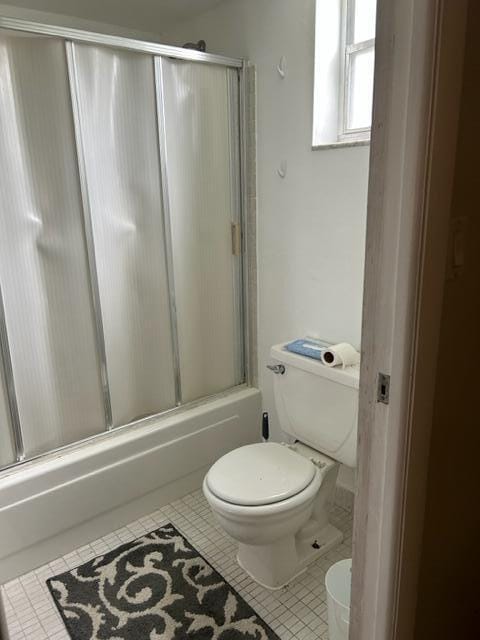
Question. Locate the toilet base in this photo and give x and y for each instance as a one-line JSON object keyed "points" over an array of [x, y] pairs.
{"points": [[275, 565]]}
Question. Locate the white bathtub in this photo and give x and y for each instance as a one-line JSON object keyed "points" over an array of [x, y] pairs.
{"points": [[53, 505]]}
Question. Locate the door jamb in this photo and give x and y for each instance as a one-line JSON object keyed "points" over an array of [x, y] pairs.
{"points": [[419, 57]]}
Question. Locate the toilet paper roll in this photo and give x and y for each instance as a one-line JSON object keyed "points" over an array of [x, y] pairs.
{"points": [[342, 354]]}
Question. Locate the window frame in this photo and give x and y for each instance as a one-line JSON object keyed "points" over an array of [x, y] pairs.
{"points": [[348, 50]]}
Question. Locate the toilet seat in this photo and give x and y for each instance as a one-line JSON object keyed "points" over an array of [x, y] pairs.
{"points": [[260, 474]]}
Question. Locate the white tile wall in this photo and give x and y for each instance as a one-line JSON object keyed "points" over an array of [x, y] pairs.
{"points": [[297, 612]]}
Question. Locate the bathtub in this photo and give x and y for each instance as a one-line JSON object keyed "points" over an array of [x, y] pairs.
{"points": [[57, 503]]}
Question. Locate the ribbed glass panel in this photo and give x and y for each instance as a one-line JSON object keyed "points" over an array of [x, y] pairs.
{"points": [[43, 262], [7, 453], [116, 93], [198, 119]]}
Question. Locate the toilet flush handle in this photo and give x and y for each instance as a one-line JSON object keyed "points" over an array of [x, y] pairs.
{"points": [[279, 369]]}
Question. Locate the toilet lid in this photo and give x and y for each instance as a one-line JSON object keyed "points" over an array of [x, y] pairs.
{"points": [[260, 474]]}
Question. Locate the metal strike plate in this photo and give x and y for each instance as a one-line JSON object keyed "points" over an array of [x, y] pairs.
{"points": [[383, 389]]}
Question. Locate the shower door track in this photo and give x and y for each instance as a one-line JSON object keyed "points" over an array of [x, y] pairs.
{"points": [[119, 42], [7, 470]]}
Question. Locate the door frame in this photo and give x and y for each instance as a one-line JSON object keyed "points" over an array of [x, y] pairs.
{"points": [[419, 58]]}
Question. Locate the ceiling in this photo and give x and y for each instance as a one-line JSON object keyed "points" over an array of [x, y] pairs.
{"points": [[144, 15]]}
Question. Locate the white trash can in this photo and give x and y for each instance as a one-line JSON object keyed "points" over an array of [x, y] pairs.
{"points": [[338, 583]]}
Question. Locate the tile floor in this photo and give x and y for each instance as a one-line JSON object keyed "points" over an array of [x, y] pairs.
{"points": [[297, 612]]}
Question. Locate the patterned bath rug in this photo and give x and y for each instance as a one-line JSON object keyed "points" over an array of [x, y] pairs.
{"points": [[155, 588]]}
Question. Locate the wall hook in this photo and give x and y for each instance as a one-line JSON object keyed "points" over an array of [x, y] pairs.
{"points": [[282, 67], [282, 169]]}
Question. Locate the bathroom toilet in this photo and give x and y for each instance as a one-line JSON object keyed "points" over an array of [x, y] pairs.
{"points": [[272, 498]]}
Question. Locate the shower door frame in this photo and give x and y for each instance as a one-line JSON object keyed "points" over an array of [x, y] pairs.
{"points": [[158, 52]]}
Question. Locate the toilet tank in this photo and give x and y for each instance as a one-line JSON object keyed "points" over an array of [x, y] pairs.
{"points": [[318, 405]]}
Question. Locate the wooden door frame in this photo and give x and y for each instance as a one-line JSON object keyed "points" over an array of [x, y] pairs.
{"points": [[419, 58]]}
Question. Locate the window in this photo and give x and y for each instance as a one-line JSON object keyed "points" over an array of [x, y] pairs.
{"points": [[357, 67], [344, 67]]}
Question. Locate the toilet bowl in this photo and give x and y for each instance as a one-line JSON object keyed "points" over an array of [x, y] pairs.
{"points": [[272, 498]]}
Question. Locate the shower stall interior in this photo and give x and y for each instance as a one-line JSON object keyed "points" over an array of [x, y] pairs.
{"points": [[122, 290]]}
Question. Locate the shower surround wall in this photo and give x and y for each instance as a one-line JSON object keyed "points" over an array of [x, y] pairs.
{"points": [[312, 223]]}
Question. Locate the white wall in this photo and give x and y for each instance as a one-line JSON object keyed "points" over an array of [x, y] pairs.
{"points": [[45, 12], [311, 225], [140, 15]]}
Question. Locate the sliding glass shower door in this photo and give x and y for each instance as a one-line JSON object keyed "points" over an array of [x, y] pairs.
{"points": [[43, 259], [120, 244], [200, 119], [117, 110]]}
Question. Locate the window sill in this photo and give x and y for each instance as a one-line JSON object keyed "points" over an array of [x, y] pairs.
{"points": [[342, 143]]}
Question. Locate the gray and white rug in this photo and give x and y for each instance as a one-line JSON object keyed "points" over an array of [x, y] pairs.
{"points": [[155, 588]]}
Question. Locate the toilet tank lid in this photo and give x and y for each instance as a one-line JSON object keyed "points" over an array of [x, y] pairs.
{"points": [[260, 474], [349, 376]]}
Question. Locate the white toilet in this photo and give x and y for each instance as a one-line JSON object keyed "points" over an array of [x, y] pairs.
{"points": [[271, 497]]}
